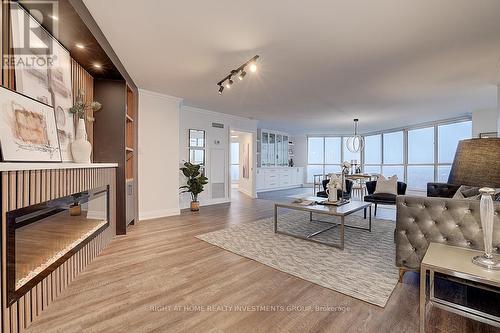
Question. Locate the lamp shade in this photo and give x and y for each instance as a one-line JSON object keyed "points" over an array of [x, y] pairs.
{"points": [[477, 163]]}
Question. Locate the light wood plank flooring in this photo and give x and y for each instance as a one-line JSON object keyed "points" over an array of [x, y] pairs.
{"points": [[160, 278]]}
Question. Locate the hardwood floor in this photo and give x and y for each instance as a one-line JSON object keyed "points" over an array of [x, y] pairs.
{"points": [[160, 278]]}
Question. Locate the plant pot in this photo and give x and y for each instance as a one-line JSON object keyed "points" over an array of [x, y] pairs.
{"points": [[81, 148], [195, 206], [75, 210]]}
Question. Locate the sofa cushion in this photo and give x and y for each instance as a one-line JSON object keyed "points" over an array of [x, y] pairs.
{"points": [[381, 197]]}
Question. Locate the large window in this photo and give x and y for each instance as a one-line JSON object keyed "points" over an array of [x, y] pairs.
{"points": [[416, 155], [324, 155]]}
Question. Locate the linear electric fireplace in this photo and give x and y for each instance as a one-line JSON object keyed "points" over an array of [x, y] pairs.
{"points": [[42, 237]]}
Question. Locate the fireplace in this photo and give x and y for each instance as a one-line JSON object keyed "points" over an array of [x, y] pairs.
{"points": [[43, 236]]}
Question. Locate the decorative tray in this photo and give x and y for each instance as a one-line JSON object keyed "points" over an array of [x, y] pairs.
{"points": [[333, 203]]}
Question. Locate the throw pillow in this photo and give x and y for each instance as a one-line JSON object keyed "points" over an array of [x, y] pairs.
{"points": [[389, 185], [467, 192]]}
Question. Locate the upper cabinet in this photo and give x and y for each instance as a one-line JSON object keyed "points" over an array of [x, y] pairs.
{"points": [[272, 148]]}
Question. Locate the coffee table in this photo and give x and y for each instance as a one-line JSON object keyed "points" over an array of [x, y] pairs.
{"points": [[340, 211]]}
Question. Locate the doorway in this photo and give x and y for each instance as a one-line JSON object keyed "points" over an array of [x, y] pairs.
{"points": [[242, 162]]}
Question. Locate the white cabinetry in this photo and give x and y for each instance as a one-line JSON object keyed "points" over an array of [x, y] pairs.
{"points": [[279, 178], [272, 148]]}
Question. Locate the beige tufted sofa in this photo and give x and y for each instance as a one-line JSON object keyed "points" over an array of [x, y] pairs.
{"points": [[422, 220]]}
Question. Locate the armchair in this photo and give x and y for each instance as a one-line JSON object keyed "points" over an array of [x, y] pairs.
{"points": [[476, 163], [345, 195], [382, 198]]}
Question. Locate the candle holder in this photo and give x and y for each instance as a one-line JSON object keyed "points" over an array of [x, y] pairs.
{"points": [[487, 210]]}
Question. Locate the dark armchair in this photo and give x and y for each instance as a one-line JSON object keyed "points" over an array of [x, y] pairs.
{"points": [[476, 163], [345, 195], [382, 198]]}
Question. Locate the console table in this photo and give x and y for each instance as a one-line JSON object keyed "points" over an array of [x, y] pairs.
{"points": [[457, 262]]}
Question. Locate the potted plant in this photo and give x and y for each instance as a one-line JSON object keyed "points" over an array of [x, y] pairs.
{"points": [[81, 147], [195, 182]]}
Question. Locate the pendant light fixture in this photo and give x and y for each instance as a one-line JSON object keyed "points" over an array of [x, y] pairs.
{"points": [[355, 143]]}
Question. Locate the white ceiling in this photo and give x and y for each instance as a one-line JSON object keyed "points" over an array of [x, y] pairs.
{"points": [[323, 62]]}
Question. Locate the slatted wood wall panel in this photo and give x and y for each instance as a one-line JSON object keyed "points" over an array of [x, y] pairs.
{"points": [[81, 80], [24, 188]]}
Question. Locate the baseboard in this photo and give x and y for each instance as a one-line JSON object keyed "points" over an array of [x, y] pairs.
{"points": [[280, 188], [246, 192], [155, 214]]}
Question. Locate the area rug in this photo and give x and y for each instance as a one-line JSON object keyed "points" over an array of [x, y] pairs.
{"points": [[364, 269]]}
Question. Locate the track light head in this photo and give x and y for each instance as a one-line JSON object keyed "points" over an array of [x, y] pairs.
{"points": [[242, 75], [253, 67], [229, 83], [221, 89]]}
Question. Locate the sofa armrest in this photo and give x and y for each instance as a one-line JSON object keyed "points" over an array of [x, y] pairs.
{"points": [[441, 190]]}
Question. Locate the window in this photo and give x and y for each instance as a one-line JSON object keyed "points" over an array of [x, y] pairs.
{"points": [[235, 162], [324, 155], [393, 148], [448, 137], [373, 149], [426, 157]]}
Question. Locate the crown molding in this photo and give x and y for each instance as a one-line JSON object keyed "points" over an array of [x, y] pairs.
{"points": [[160, 95]]}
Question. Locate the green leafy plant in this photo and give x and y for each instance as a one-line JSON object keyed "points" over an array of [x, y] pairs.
{"points": [[81, 107], [195, 180]]}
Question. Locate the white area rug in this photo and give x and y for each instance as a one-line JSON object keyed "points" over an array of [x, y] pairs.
{"points": [[364, 269]]}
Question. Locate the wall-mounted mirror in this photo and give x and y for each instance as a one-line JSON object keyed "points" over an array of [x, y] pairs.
{"points": [[196, 138]]}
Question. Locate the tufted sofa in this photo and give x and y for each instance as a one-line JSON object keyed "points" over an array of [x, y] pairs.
{"points": [[422, 220]]}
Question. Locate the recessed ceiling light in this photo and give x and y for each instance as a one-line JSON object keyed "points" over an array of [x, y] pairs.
{"points": [[234, 136], [55, 18], [80, 46], [97, 65]]}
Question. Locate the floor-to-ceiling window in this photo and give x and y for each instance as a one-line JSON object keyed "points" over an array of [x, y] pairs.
{"points": [[324, 155], [417, 155]]}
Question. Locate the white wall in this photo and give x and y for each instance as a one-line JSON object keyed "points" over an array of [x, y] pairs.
{"points": [[484, 121], [217, 148], [158, 153]]}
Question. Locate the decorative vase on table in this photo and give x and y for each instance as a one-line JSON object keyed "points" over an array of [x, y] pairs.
{"points": [[81, 147], [487, 210]]}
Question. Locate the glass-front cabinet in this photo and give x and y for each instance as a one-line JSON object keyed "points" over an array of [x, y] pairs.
{"points": [[273, 148]]}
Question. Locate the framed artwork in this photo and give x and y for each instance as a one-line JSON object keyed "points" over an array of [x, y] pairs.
{"points": [[60, 86], [28, 131], [46, 79], [487, 135], [31, 77]]}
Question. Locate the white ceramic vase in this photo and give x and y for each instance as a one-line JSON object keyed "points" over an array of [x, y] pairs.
{"points": [[81, 147]]}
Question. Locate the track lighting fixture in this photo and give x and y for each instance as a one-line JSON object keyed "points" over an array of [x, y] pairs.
{"points": [[240, 72], [242, 75]]}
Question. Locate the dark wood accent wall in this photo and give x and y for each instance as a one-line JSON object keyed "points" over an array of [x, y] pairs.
{"points": [[23, 188], [109, 138]]}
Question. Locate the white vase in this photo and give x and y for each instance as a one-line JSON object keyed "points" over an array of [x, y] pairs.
{"points": [[487, 212], [81, 147]]}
